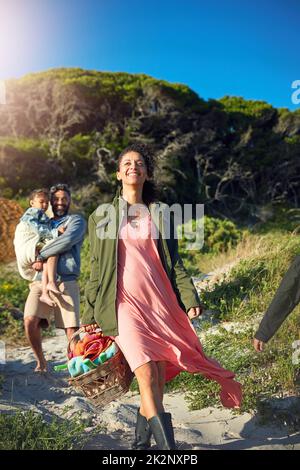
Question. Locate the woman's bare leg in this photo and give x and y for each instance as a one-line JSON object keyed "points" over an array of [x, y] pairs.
{"points": [[150, 389], [151, 380], [161, 369], [161, 366]]}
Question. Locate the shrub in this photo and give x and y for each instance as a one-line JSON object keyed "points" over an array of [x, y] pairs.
{"points": [[28, 431], [219, 237]]}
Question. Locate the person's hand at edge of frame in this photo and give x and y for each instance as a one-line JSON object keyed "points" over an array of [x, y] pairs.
{"points": [[195, 312], [258, 345]]}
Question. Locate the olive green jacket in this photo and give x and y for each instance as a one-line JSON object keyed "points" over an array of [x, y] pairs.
{"points": [[286, 298], [101, 289]]}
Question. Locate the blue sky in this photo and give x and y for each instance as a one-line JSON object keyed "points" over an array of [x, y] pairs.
{"points": [[242, 48]]}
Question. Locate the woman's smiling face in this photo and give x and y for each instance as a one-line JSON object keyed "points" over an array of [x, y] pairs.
{"points": [[132, 169]]}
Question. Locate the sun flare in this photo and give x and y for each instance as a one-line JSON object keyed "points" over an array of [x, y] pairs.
{"points": [[16, 37]]}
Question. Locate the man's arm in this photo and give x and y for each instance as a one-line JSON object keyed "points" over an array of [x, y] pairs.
{"points": [[73, 235], [285, 300]]}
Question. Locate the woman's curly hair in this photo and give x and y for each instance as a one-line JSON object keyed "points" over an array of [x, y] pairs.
{"points": [[149, 188]]}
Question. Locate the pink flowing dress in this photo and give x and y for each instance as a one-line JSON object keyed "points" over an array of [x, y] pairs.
{"points": [[152, 325]]}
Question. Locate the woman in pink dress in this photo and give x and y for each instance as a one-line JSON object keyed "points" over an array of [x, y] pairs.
{"points": [[155, 301]]}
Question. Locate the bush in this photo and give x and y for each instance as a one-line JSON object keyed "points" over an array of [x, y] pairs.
{"points": [[13, 294], [28, 431], [250, 285], [11, 329], [13, 291], [21, 162], [219, 237]]}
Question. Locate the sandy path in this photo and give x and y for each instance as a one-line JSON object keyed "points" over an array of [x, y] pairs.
{"points": [[49, 394]]}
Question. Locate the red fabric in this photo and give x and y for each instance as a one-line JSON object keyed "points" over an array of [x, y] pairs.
{"points": [[90, 346]]}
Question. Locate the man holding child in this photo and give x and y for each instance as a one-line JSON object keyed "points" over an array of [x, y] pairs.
{"points": [[66, 248]]}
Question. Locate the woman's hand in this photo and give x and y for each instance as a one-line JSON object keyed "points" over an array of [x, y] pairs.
{"points": [[258, 345], [194, 312]]}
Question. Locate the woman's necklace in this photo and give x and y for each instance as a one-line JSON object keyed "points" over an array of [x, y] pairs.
{"points": [[138, 213]]}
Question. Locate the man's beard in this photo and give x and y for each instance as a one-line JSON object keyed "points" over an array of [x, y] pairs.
{"points": [[61, 212]]}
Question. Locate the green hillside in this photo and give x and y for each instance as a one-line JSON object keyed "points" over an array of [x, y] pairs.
{"points": [[234, 155]]}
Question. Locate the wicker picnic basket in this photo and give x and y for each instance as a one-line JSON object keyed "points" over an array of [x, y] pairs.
{"points": [[107, 382]]}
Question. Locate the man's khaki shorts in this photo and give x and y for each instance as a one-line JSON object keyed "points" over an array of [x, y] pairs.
{"points": [[66, 312]]}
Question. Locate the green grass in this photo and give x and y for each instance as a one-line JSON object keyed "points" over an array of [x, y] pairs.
{"points": [[28, 431], [249, 287], [13, 293], [261, 375], [13, 290]]}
